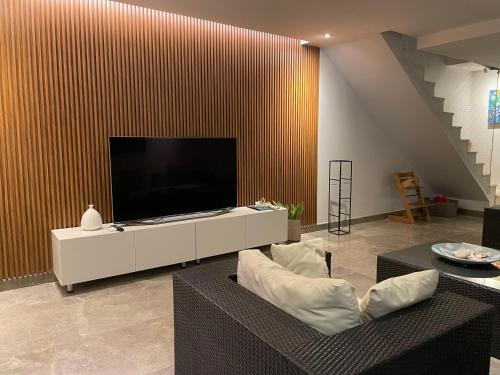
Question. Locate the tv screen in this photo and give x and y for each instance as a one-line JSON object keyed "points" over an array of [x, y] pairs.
{"points": [[154, 177]]}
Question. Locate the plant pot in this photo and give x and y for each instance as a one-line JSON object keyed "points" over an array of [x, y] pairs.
{"points": [[294, 230]]}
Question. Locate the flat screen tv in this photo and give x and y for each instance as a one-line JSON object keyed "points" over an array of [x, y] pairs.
{"points": [[155, 177]]}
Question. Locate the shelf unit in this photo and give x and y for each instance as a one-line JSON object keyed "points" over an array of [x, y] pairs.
{"points": [[339, 196]]}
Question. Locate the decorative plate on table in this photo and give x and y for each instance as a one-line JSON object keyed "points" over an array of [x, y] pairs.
{"points": [[466, 253]]}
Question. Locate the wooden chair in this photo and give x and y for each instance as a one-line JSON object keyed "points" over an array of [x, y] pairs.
{"points": [[413, 200]]}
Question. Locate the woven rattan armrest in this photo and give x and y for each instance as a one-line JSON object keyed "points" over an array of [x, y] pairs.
{"points": [[448, 334]]}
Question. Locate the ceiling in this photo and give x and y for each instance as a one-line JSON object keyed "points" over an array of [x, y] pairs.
{"points": [[483, 50], [346, 20], [475, 42]]}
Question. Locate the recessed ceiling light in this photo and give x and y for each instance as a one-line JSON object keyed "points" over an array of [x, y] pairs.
{"points": [[304, 42], [327, 36]]}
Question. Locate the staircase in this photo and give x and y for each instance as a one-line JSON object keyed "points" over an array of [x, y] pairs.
{"points": [[404, 48], [386, 74]]}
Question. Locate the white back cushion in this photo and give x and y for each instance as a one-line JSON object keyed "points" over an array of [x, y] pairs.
{"points": [[327, 305], [397, 293], [303, 258]]}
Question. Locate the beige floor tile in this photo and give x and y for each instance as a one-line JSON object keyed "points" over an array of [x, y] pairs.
{"points": [[360, 282]]}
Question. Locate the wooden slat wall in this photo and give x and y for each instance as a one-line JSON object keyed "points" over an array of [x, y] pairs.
{"points": [[73, 72]]}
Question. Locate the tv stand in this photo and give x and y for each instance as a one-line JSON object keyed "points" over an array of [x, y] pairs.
{"points": [[80, 256]]}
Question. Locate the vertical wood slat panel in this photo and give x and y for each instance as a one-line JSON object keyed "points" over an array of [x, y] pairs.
{"points": [[74, 72]]}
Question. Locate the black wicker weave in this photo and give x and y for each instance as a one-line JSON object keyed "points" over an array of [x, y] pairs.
{"points": [[420, 257], [222, 328]]}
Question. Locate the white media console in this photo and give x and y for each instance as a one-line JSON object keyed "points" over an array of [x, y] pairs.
{"points": [[80, 256]]}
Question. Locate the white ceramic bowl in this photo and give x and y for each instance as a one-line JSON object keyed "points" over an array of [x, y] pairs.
{"points": [[446, 250]]}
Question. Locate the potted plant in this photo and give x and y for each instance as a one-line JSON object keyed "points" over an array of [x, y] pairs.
{"points": [[295, 212]]}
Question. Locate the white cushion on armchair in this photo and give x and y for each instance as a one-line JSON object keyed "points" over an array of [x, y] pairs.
{"points": [[327, 305], [397, 293], [303, 258]]}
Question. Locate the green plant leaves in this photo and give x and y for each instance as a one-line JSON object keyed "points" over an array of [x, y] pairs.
{"points": [[295, 211]]}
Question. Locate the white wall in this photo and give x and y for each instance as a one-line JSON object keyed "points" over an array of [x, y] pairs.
{"points": [[373, 68], [346, 130]]}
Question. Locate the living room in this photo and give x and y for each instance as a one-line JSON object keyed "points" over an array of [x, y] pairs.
{"points": [[221, 187]]}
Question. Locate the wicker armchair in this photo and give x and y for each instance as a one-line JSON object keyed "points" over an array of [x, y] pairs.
{"points": [[222, 328]]}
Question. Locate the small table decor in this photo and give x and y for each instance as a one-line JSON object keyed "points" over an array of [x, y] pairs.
{"points": [[467, 253]]}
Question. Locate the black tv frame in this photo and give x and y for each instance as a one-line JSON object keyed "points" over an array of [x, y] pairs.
{"points": [[175, 217]]}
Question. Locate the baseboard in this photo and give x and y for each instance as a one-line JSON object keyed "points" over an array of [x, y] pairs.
{"points": [[358, 220], [367, 219], [314, 227], [25, 281]]}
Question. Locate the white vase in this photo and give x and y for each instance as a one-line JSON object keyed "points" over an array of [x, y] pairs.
{"points": [[91, 219]]}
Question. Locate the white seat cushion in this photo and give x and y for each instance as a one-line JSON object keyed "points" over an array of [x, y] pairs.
{"points": [[303, 258], [397, 293], [327, 305]]}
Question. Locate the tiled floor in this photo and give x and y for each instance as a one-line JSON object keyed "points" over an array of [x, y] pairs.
{"points": [[125, 325], [354, 256]]}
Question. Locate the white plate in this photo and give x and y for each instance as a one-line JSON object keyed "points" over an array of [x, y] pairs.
{"points": [[446, 250]]}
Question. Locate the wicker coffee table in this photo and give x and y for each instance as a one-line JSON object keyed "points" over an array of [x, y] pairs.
{"points": [[477, 282]]}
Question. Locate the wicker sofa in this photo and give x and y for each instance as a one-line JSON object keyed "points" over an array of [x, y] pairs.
{"points": [[222, 328]]}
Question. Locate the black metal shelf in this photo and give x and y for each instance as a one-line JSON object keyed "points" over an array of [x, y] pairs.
{"points": [[339, 221]]}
